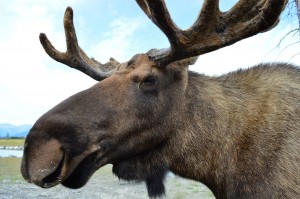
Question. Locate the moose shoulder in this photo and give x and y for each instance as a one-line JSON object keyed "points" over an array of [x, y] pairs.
{"points": [[238, 133]]}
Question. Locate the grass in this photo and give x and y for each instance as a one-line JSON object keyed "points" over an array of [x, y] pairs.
{"points": [[12, 142], [10, 169]]}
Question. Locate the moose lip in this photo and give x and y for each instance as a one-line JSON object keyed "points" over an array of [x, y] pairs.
{"points": [[55, 177], [73, 175]]}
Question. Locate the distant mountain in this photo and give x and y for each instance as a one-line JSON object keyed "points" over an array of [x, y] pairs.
{"points": [[13, 130]]}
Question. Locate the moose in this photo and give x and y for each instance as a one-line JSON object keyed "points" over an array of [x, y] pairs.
{"points": [[238, 133]]}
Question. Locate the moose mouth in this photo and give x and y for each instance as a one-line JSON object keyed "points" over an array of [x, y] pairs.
{"points": [[73, 179]]}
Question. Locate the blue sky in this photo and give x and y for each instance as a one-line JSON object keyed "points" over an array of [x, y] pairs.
{"points": [[31, 83]]}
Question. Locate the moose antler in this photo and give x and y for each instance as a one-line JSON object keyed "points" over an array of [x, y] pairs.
{"points": [[75, 57], [212, 29]]}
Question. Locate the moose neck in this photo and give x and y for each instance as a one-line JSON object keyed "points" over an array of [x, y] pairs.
{"points": [[202, 149]]}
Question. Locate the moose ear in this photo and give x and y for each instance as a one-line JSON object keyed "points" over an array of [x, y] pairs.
{"points": [[187, 62], [183, 62]]}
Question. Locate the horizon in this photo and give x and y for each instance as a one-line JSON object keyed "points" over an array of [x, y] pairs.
{"points": [[31, 83]]}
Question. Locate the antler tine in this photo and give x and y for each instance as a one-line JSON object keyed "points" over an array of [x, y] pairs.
{"points": [[157, 11], [254, 17], [210, 12], [212, 29], [75, 57]]}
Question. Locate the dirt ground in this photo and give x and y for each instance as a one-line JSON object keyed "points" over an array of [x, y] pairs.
{"points": [[104, 185]]}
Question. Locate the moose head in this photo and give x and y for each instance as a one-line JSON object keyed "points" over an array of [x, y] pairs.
{"points": [[149, 115]]}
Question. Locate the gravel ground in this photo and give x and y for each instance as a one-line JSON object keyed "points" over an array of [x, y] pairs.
{"points": [[104, 185]]}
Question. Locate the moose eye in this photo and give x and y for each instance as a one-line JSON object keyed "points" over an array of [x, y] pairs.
{"points": [[148, 83], [149, 80]]}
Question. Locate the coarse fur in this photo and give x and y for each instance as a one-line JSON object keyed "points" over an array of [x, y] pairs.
{"points": [[239, 133], [241, 137]]}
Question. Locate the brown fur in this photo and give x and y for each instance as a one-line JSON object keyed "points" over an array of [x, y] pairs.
{"points": [[238, 133], [250, 133]]}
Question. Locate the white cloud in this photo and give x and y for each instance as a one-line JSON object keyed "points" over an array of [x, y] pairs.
{"points": [[119, 40], [28, 83]]}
